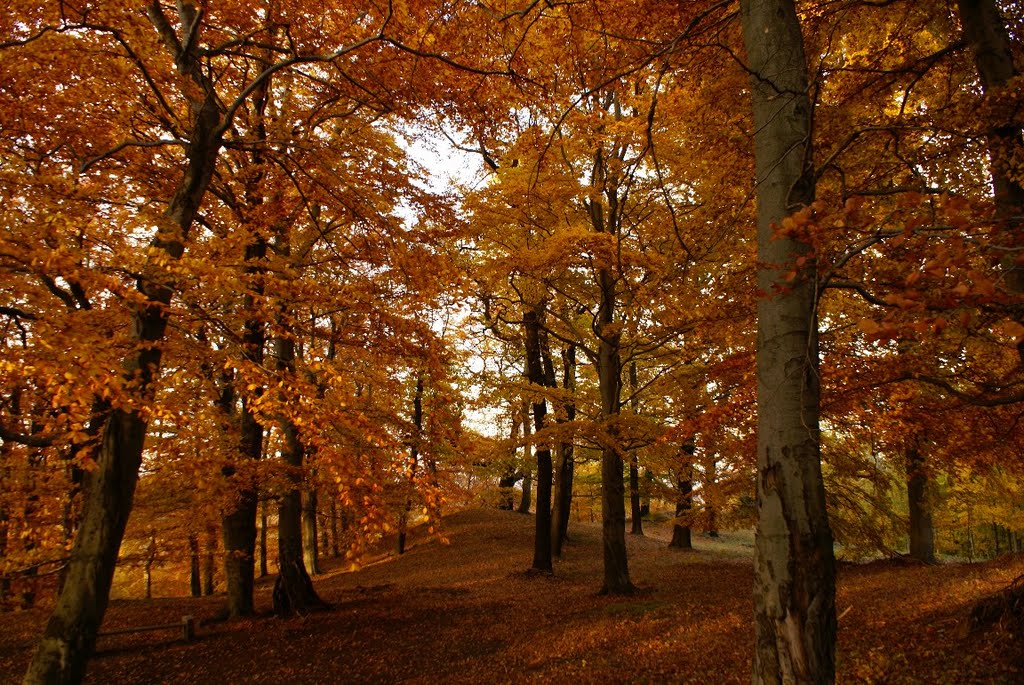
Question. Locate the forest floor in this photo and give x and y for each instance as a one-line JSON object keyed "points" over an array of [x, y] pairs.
{"points": [[469, 612]]}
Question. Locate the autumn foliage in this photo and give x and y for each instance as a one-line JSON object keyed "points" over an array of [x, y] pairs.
{"points": [[279, 282]]}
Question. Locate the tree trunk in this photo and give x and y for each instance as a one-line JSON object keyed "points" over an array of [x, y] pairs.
{"points": [[709, 486], [535, 341], [150, 559], [794, 564], [195, 579], [506, 497], [208, 567], [414, 460], [682, 535], [507, 481], [613, 504], [922, 532], [239, 525], [636, 515], [985, 31], [109, 489], [264, 568], [335, 544], [293, 589], [310, 537], [562, 495], [524, 503]]}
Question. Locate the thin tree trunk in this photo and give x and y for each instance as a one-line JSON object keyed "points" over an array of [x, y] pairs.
{"points": [[535, 342], [264, 568], [710, 483], [148, 564], [604, 218], [335, 544], [210, 562], [562, 495], [526, 500], [109, 489], [634, 462], [794, 564], [310, 536], [970, 534], [414, 460], [195, 579]]}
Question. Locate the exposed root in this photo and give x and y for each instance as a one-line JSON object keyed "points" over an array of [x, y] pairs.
{"points": [[1004, 609]]}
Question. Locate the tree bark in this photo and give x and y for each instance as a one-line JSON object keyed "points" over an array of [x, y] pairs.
{"points": [[613, 491], [535, 373], [794, 565], [636, 515], [710, 510], [195, 579], [605, 213], [264, 568], [310, 539], [562, 496], [293, 588], [239, 525], [985, 31], [208, 566], [414, 460], [507, 481], [335, 541], [922, 531], [526, 500], [109, 489], [682, 536]]}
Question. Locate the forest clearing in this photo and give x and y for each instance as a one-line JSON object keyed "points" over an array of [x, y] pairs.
{"points": [[285, 283], [470, 612]]}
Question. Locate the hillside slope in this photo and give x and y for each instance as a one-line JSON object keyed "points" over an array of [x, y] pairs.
{"points": [[468, 612]]}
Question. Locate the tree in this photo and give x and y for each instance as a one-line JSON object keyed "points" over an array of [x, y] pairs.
{"points": [[985, 31], [794, 586], [71, 631]]}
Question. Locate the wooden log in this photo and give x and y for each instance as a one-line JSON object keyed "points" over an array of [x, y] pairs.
{"points": [[187, 626]]}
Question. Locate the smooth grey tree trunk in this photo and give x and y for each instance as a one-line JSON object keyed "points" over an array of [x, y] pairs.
{"points": [[985, 31], [794, 564], [70, 634]]}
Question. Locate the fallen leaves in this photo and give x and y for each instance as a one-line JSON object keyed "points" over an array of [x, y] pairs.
{"points": [[465, 613]]}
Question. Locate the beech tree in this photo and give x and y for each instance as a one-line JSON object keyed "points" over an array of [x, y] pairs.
{"points": [[794, 587]]}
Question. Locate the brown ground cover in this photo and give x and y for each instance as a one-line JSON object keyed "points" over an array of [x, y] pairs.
{"points": [[468, 612]]}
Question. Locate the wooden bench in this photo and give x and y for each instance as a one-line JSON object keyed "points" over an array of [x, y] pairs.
{"points": [[187, 626]]}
